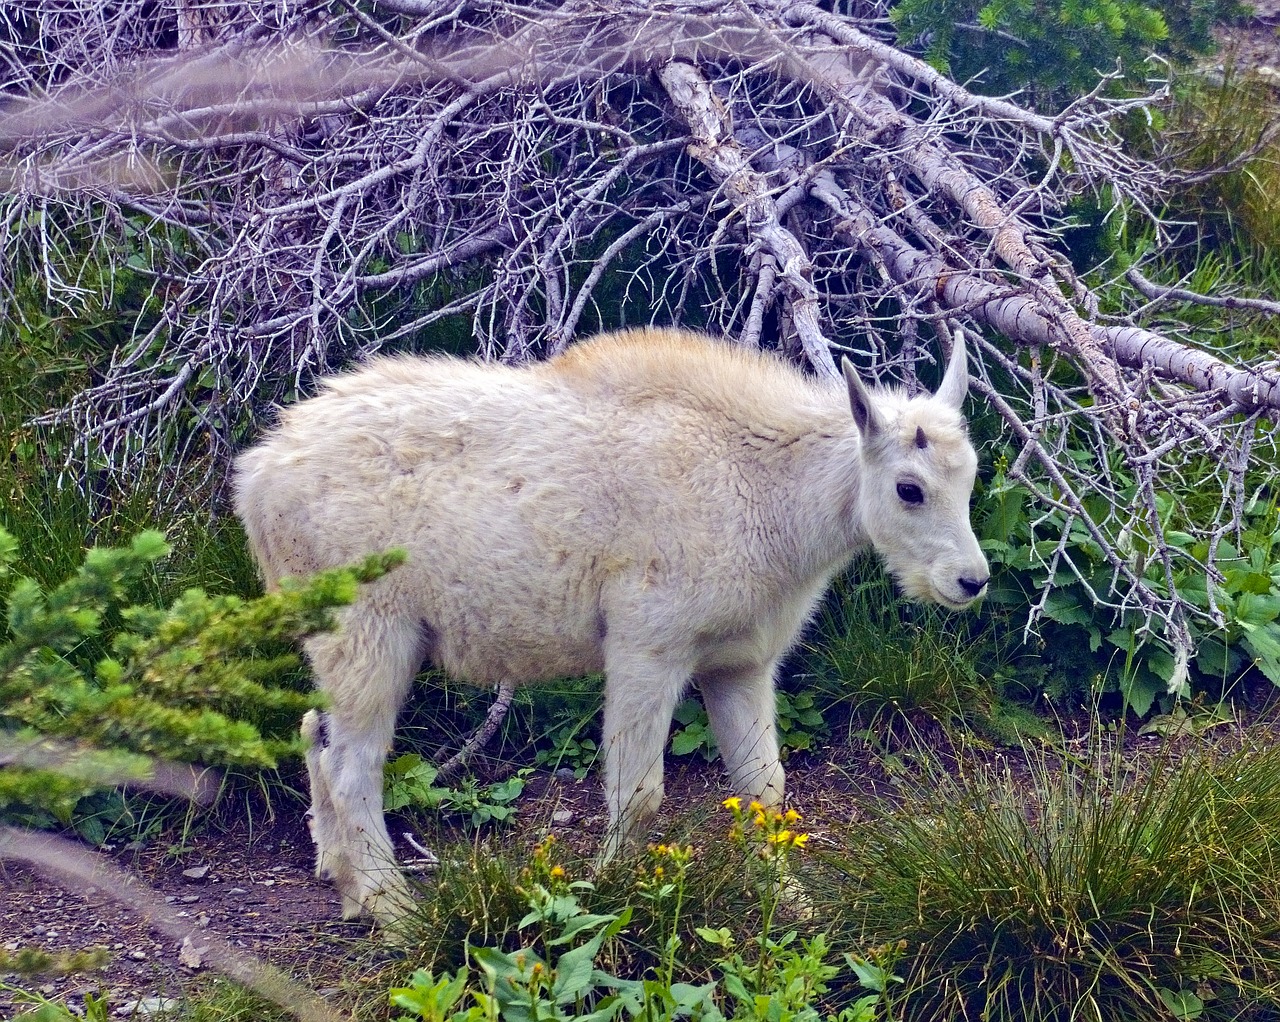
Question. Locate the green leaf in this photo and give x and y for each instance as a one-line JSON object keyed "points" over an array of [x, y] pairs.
{"points": [[1140, 689], [688, 740], [721, 937], [1263, 642], [433, 1000], [688, 711], [695, 1000], [501, 964], [870, 975], [1065, 608], [1182, 1004], [574, 969], [573, 972], [1217, 658], [1159, 661], [1258, 610], [573, 926]]}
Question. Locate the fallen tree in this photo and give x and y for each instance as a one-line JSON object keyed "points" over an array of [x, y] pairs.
{"points": [[302, 184]]}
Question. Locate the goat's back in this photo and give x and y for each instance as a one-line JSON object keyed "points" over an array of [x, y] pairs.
{"points": [[652, 461]]}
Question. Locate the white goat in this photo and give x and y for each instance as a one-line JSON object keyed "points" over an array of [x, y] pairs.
{"points": [[653, 504]]}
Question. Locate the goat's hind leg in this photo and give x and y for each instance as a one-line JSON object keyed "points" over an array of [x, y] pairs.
{"points": [[332, 860], [365, 668]]}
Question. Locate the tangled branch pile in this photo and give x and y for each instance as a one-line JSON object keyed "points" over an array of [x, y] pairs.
{"points": [[301, 183]]}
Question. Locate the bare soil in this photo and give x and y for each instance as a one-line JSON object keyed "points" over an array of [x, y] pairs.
{"points": [[1253, 44]]}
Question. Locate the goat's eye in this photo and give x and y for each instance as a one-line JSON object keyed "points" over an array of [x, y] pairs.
{"points": [[910, 493]]}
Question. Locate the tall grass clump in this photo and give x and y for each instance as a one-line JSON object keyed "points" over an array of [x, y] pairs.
{"points": [[883, 658], [1217, 121], [1078, 893]]}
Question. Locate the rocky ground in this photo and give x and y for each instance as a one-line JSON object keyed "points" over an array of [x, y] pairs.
{"points": [[1255, 43]]}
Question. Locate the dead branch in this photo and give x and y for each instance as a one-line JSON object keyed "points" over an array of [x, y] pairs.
{"points": [[715, 146], [483, 734], [277, 189], [65, 862]]}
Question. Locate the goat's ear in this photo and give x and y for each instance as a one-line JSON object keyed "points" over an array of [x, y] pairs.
{"points": [[955, 381], [864, 412]]}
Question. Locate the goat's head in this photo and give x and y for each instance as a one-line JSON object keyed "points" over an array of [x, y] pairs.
{"points": [[918, 472]]}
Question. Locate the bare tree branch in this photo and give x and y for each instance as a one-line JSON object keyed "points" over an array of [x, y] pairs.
{"points": [[728, 161], [65, 862], [276, 189]]}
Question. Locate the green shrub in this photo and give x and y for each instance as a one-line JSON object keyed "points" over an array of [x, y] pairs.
{"points": [[94, 689], [569, 749], [582, 953], [1097, 650], [1056, 49], [409, 781]]}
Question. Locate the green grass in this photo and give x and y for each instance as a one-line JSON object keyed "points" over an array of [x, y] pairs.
{"points": [[711, 921], [889, 662], [1213, 122], [478, 893], [1077, 891]]}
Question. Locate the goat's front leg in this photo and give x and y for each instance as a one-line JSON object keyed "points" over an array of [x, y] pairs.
{"points": [[640, 694], [741, 707]]}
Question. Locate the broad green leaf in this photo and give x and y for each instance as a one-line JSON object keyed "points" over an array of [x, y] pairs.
{"points": [[1263, 641], [573, 972]]}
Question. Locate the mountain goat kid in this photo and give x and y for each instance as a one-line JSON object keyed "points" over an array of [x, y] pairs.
{"points": [[653, 504]]}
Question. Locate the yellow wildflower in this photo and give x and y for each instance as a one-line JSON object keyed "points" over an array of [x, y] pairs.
{"points": [[732, 803]]}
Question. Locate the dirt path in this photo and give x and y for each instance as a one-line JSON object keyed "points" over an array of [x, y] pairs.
{"points": [[258, 892]]}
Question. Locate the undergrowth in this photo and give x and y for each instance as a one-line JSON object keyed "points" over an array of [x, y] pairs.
{"points": [[1081, 889], [880, 664], [628, 943]]}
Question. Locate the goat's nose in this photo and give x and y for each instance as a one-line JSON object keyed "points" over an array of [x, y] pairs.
{"points": [[973, 586]]}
